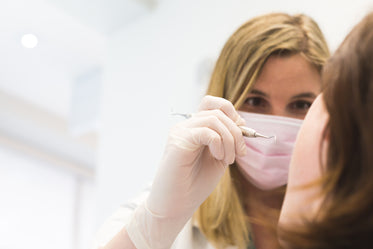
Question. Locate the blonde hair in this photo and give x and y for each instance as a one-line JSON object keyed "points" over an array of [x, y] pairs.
{"points": [[222, 217]]}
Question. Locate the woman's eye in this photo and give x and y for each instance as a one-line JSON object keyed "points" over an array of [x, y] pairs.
{"points": [[300, 106], [256, 102]]}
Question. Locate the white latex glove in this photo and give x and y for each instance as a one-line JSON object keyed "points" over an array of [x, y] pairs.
{"points": [[197, 154]]}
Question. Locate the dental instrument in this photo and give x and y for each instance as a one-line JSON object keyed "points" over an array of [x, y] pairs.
{"points": [[246, 131]]}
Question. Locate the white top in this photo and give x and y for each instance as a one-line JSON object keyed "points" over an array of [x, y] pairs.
{"points": [[190, 236]]}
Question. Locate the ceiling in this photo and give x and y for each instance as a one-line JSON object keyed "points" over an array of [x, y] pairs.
{"points": [[72, 41], [105, 16]]}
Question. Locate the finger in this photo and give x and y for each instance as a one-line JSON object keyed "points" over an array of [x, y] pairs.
{"points": [[210, 103], [210, 138], [240, 146], [213, 122]]}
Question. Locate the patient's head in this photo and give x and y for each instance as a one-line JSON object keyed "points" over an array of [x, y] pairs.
{"points": [[329, 201]]}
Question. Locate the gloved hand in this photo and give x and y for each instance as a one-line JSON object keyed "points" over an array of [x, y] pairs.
{"points": [[197, 153]]}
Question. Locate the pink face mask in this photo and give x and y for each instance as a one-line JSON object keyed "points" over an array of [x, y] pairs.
{"points": [[266, 163]]}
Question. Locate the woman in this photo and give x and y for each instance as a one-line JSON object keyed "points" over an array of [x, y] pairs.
{"points": [[329, 202], [271, 65]]}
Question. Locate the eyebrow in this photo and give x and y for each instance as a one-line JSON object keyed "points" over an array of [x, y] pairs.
{"points": [[298, 96], [304, 95], [257, 92]]}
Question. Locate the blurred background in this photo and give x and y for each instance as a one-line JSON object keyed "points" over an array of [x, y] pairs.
{"points": [[86, 92]]}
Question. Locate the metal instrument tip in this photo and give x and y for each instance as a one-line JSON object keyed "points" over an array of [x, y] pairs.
{"points": [[263, 136]]}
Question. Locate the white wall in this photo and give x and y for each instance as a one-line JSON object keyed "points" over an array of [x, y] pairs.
{"points": [[46, 179], [152, 68], [43, 205]]}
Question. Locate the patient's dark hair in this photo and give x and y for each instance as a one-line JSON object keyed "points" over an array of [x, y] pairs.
{"points": [[346, 217]]}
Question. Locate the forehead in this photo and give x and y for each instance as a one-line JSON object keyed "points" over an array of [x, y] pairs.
{"points": [[290, 74]]}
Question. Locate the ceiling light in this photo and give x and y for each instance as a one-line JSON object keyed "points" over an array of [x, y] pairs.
{"points": [[29, 41]]}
